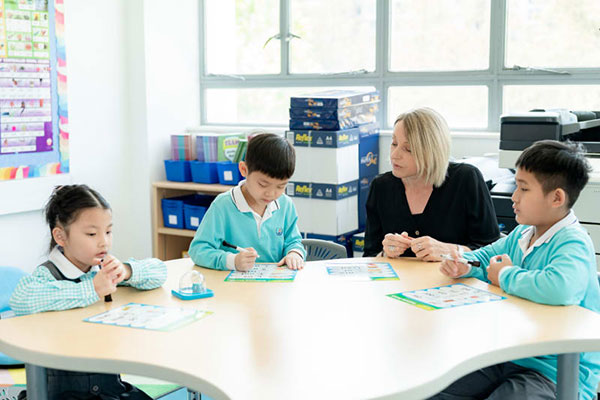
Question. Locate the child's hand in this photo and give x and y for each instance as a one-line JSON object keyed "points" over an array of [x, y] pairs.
{"points": [[452, 268], [292, 260], [104, 281], [116, 268], [244, 260], [395, 245], [496, 264]]}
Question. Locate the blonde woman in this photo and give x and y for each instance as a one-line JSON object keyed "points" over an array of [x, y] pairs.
{"points": [[427, 206]]}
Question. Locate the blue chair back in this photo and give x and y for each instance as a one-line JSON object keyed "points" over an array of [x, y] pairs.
{"points": [[9, 277], [317, 249]]}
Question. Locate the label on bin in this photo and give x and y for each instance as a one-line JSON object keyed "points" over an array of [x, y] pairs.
{"points": [[228, 175], [195, 221], [173, 219]]}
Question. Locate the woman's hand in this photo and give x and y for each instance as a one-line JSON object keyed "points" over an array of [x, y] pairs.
{"points": [[394, 245], [427, 248]]}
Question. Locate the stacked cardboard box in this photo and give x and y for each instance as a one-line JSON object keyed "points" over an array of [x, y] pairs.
{"points": [[336, 136]]}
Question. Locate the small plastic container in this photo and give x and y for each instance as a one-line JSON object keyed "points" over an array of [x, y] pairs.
{"points": [[192, 286], [204, 172], [229, 173], [172, 210], [178, 171], [192, 215]]}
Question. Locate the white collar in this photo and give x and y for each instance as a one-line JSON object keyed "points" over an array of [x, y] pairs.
{"points": [[66, 267], [528, 233], [240, 202]]}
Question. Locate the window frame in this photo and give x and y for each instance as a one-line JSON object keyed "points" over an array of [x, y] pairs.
{"points": [[495, 77]]}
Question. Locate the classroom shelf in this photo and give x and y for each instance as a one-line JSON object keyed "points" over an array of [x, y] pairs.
{"points": [[169, 243]]}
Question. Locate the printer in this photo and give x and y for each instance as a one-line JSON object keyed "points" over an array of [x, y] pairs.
{"points": [[519, 130]]}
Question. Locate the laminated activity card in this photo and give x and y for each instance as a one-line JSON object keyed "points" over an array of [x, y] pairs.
{"points": [[448, 296], [145, 316], [361, 271], [263, 272]]}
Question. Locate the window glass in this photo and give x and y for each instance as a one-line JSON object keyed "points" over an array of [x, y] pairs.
{"points": [[521, 98], [236, 32], [553, 33], [461, 106], [265, 106], [433, 35], [335, 36]]}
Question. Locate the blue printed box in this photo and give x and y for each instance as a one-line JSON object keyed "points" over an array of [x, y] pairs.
{"points": [[364, 184], [334, 99], [368, 156], [358, 242], [333, 119], [333, 139], [322, 191], [368, 129]]}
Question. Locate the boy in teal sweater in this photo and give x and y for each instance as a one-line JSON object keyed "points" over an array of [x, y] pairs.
{"points": [[254, 216], [549, 259]]}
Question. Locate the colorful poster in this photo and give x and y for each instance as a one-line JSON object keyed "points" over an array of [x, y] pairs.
{"points": [[361, 271], [33, 106], [263, 272], [448, 296], [152, 317]]}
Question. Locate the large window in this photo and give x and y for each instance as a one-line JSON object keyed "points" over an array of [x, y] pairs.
{"points": [[471, 60]]}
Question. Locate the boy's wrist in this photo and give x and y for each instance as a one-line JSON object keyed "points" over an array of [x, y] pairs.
{"points": [[230, 261]]}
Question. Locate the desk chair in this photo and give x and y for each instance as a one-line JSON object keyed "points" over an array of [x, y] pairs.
{"points": [[9, 277], [317, 249]]}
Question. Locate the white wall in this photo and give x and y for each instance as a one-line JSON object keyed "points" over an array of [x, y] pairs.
{"points": [[98, 107]]}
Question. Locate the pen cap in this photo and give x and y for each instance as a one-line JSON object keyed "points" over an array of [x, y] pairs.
{"points": [[192, 282]]}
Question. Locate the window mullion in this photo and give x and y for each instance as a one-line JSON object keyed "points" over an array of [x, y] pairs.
{"points": [[497, 54], [382, 53], [284, 29]]}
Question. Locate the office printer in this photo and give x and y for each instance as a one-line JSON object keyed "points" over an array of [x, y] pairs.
{"points": [[519, 130]]}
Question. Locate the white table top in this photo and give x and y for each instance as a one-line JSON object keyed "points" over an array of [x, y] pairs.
{"points": [[313, 337]]}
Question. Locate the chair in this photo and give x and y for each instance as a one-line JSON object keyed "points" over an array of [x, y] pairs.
{"points": [[317, 249], [9, 277]]}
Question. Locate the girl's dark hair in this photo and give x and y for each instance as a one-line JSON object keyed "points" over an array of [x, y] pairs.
{"points": [[272, 155], [65, 204]]}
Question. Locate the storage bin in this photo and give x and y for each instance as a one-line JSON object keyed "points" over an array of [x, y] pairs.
{"points": [[178, 171], [172, 210], [194, 208], [204, 172], [229, 173], [193, 215]]}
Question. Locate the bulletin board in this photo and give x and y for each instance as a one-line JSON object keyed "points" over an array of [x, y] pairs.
{"points": [[34, 134]]}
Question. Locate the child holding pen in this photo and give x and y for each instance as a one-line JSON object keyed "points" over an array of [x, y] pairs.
{"points": [[79, 272], [549, 259], [254, 219]]}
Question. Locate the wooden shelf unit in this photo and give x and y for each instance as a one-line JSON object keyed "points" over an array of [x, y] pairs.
{"points": [[169, 243]]}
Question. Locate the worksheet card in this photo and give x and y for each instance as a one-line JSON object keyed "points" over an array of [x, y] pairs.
{"points": [[449, 296], [145, 316], [361, 271], [263, 272]]}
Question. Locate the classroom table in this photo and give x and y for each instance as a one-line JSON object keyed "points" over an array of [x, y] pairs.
{"points": [[315, 337]]}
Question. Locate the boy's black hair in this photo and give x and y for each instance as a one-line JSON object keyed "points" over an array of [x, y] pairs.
{"points": [[272, 155], [65, 204], [557, 165]]}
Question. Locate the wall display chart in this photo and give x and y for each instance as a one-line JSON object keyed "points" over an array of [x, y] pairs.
{"points": [[34, 136]]}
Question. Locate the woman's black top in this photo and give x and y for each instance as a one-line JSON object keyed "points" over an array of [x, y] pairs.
{"points": [[459, 211]]}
